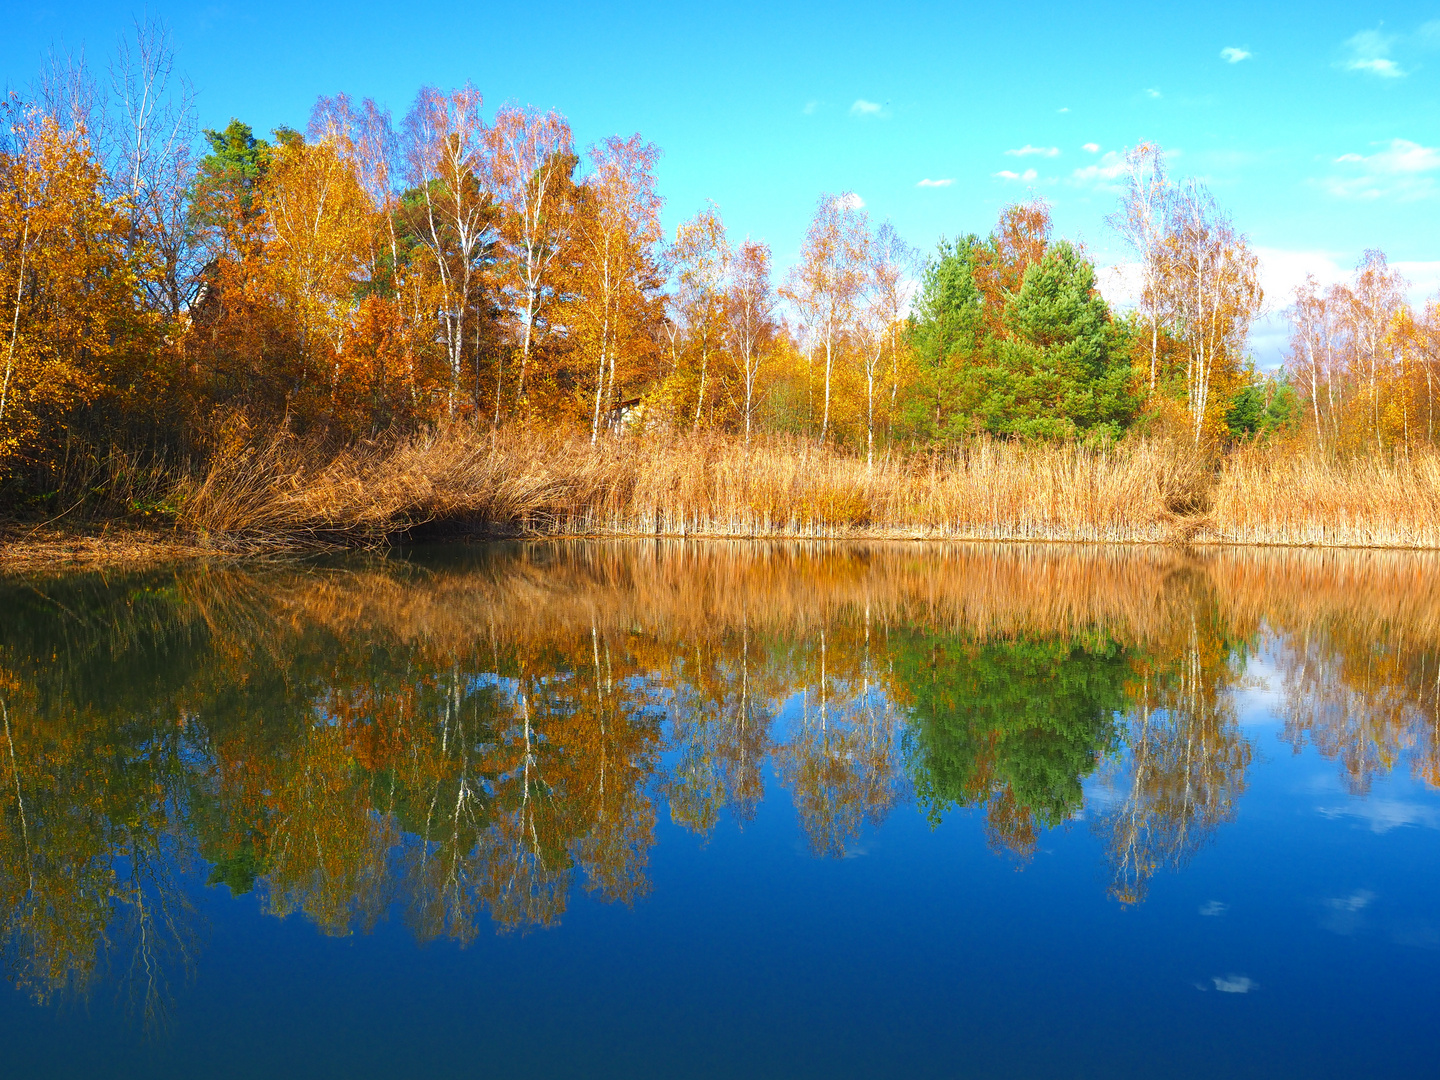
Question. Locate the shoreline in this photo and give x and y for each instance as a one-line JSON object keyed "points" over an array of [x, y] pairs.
{"points": [[25, 551]]}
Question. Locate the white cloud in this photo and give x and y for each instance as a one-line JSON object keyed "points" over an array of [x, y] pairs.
{"points": [[810, 107], [1119, 284], [1232, 55], [1034, 151], [1377, 65], [1235, 984], [1281, 272], [1214, 907], [1101, 175], [1403, 170], [868, 108], [1370, 53], [1063, 109], [927, 182], [850, 201], [1091, 148], [1424, 278], [1006, 174], [1152, 93]]}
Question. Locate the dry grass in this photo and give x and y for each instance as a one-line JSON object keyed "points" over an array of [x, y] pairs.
{"points": [[1267, 496], [282, 492], [516, 484], [47, 549]]}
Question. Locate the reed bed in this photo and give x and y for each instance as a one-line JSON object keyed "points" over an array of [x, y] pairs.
{"points": [[1266, 496], [285, 492]]}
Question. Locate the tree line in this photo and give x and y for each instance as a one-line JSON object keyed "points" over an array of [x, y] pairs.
{"points": [[165, 288]]}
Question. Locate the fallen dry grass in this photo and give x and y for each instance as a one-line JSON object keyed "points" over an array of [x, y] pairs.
{"points": [[47, 549]]}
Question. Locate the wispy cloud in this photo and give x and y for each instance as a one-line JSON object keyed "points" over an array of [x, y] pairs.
{"points": [[1006, 174], [810, 107], [1377, 65], [1151, 92], [1214, 908], [927, 182], [1401, 169], [1370, 53], [850, 201], [1232, 55], [1034, 151], [1091, 148], [1101, 175], [1063, 109], [868, 108]]}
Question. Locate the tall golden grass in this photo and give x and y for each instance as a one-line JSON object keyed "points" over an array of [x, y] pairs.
{"points": [[284, 491], [1265, 496], [521, 484]]}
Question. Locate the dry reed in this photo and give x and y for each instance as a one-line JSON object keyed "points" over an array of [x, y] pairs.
{"points": [[286, 492], [517, 484]]}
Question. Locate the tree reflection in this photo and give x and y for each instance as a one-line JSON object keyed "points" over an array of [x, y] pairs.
{"points": [[1013, 726], [840, 762], [466, 743], [1187, 758]]}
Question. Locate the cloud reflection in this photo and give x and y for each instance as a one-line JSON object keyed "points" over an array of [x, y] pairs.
{"points": [[1235, 984]]}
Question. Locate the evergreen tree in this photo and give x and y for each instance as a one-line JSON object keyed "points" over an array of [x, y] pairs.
{"points": [[1064, 370]]}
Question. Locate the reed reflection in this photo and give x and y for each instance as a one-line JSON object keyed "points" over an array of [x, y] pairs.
{"points": [[466, 740]]}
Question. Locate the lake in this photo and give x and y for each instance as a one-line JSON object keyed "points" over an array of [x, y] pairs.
{"points": [[666, 809]]}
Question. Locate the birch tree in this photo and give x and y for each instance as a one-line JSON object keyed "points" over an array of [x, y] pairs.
{"points": [[67, 285], [531, 157], [887, 261], [750, 321], [1141, 221], [319, 226], [1374, 301], [453, 218], [1210, 276], [825, 286], [152, 166], [701, 257], [1311, 359], [618, 229]]}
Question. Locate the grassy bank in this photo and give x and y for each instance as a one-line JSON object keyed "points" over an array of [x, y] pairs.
{"points": [[281, 492]]}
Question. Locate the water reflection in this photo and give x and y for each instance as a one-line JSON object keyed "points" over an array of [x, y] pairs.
{"points": [[465, 739]]}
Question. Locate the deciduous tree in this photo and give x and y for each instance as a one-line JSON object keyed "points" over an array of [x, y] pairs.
{"points": [[825, 286]]}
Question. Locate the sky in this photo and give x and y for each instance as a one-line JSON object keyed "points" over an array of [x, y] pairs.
{"points": [[1315, 125]]}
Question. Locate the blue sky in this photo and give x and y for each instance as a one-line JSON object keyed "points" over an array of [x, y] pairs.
{"points": [[1315, 124]]}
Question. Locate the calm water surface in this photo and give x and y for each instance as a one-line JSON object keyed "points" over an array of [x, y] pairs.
{"points": [[640, 810]]}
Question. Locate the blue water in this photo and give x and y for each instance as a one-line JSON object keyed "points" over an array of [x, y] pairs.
{"points": [[1300, 938]]}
